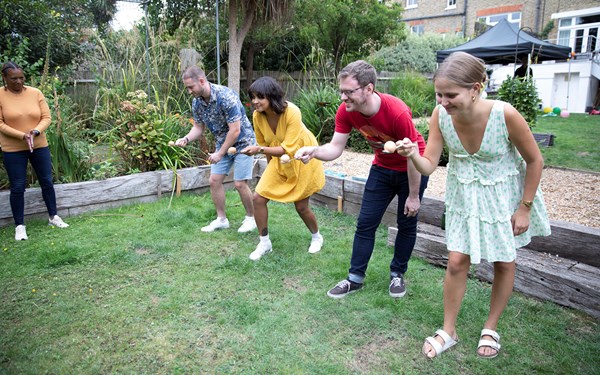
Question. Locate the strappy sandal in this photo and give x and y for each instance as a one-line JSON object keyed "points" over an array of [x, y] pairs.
{"points": [[494, 344], [437, 347]]}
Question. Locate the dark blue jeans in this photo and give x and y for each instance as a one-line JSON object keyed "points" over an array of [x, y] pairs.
{"points": [[380, 189], [16, 168]]}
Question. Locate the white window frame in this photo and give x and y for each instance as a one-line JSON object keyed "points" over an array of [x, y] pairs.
{"points": [[417, 29], [567, 32], [450, 4], [410, 4], [510, 17]]}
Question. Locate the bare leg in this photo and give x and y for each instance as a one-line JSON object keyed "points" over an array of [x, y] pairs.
{"points": [[261, 214], [455, 284], [502, 287], [217, 193], [245, 195], [306, 214]]}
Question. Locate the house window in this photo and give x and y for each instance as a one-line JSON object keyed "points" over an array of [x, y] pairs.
{"points": [[411, 4], [580, 33], [493, 19], [451, 4], [417, 29]]}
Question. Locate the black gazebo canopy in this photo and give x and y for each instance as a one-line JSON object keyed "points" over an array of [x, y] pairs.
{"points": [[503, 44]]}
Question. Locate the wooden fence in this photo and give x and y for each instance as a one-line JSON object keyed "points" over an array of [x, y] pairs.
{"points": [[562, 268]]}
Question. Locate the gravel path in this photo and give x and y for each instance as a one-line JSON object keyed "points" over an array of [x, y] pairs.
{"points": [[570, 195]]}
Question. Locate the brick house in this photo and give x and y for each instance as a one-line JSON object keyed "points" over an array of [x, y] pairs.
{"points": [[572, 22]]}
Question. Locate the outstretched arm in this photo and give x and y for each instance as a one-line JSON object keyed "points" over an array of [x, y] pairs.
{"points": [[427, 163], [326, 152]]}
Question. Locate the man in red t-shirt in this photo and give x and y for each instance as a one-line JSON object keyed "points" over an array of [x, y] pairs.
{"points": [[380, 118]]}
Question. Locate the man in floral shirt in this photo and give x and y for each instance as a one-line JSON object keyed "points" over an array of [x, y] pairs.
{"points": [[219, 108]]}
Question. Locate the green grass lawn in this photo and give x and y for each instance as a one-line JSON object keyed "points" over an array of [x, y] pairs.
{"points": [[140, 289], [576, 142]]}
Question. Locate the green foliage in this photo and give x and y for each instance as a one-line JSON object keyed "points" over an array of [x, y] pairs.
{"points": [[522, 94], [348, 29], [141, 135], [54, 23], [415, 53], [319, 103], [416, 91]]}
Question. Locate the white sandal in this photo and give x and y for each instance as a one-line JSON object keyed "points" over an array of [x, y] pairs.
{"points": [[437, 347], [495, 344]]}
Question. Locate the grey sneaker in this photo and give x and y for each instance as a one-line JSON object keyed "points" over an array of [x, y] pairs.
{"points": [[343, 288], [397, 288]]}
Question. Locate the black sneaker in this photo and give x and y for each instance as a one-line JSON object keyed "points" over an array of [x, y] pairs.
{"points": [[343, 288], [397, 288]]}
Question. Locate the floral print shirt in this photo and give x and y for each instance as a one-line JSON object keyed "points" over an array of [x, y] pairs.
{"points": [[223, 108]]}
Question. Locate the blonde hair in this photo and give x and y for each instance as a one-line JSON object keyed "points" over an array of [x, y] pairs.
{"points": [[462, 69]]}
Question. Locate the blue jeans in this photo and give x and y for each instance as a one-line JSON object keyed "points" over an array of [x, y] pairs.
{"points": [[16, 168], [380, 189]]}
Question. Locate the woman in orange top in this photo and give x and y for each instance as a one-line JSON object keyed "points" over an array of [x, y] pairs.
{"points": [[280, 133], [24, 116]]}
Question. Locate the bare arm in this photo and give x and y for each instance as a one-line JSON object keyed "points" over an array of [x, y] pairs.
{"points": [[326, 152], [196, 132], [427, 163], [520, 135]]}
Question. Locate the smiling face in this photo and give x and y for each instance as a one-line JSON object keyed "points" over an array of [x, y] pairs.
{"points": [[260, 103], [454, 98], [353, 94], [14, 79]]}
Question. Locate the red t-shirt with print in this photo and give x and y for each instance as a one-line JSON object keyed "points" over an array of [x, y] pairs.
{"points": [[392, 122]]}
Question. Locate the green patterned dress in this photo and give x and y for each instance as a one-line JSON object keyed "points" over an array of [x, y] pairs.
{"points": [[483, 190]]}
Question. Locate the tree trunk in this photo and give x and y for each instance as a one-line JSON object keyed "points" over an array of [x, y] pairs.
{"points": [[236, 38], [249, 66]]}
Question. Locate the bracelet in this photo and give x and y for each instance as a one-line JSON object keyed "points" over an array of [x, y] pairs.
{"points": [[186, 139], [527, 204]]}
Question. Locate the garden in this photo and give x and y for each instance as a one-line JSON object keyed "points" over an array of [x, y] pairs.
{"points": [[138, 289]]}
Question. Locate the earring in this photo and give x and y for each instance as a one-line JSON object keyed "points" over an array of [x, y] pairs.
{"points": [[473, 98]]}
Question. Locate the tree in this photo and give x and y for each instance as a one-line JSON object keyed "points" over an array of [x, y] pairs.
{"points": [[349, 29], [52, 28], [242, 15]]}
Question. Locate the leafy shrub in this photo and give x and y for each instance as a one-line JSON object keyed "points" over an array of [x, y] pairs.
{"points": [[522, 94], [319, 103], [416, 53], [141, 136], [416, 91]]}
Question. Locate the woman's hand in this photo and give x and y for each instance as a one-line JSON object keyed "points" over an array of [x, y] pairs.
{"points": [[28, 138], [406, 147], [520, 220], [251, 150]]}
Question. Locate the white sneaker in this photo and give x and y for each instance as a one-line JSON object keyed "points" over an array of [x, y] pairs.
{"points": [[316, 244], [218, 223], [248, 225], [261, 249], [20, 233], [56, 221]]}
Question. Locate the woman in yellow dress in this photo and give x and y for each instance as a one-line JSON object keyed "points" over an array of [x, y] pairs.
{"points": [[279, 134]]}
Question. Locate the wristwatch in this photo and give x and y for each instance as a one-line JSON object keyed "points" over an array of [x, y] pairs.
{"points": [[36, 132], [261, 150]]}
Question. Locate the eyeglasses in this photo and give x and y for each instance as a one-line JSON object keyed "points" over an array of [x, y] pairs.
{"points": [[350, 92]]}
